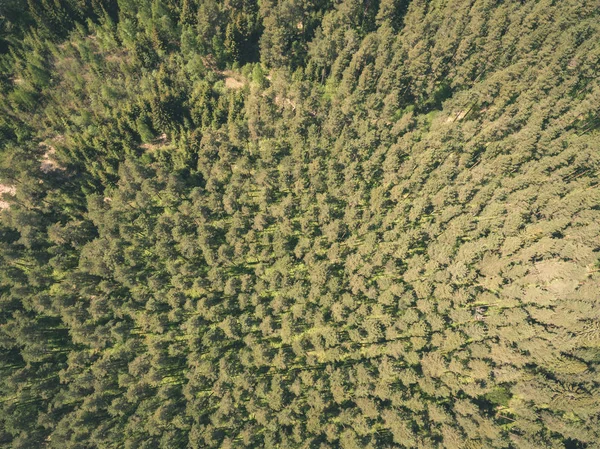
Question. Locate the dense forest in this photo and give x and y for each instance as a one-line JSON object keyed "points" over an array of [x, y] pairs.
{"points": [[299, 224]]}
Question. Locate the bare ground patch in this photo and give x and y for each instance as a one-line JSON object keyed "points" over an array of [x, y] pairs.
{"points": [[9, 190], [49, 162], [232, 80], [161, 141], [232, 83]]}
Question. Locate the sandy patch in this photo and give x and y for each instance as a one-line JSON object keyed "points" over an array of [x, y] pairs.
{"points": [[9, 190], [48, 163], [232, 83], [233, 80], [161, 141], [455, 118], [282, 101]]}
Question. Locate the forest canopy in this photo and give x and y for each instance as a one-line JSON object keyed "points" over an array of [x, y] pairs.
{"points": [[299, 224]]}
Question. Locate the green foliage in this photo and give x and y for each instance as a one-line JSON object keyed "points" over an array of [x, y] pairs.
{"points": [[289, 224]]}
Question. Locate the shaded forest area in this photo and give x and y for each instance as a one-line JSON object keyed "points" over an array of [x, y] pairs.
{"points": [[299, 224]]}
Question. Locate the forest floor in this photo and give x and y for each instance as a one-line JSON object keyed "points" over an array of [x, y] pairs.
{"points": [[49, 162], [159, 142], [11, 190], [232, 80]]}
